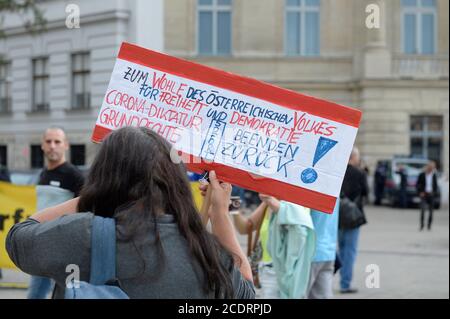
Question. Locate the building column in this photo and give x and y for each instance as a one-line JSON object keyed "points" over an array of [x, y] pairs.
{"points": [[147, 24]]}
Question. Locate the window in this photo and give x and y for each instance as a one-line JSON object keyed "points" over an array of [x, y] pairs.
{"points": [[37, 156], [5, 87], [77, 155], [426, 137], [419, 26], [3, 156], [214, 27], [40, 85], [81, 95], [302, 27]]}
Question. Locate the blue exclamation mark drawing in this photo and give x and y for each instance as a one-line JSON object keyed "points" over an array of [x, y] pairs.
{"points": [[324, 145]]}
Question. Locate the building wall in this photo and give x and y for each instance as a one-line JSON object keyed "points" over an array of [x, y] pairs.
{"points": [[358, 67], [102, 30]]}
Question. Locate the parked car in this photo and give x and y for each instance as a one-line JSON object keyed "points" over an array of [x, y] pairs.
{"points": [[413, 167]]}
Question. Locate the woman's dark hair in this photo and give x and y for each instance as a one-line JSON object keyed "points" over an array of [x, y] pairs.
{"points": [[134, 180]]}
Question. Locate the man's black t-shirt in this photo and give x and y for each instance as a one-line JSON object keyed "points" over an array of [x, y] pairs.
{"points": [[64, 176]]}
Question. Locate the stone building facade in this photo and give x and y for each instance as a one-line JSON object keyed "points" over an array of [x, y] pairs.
{"points": [[396, 73]]}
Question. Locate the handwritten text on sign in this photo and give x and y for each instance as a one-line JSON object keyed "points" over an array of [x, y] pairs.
{"points": [[230, 128]]}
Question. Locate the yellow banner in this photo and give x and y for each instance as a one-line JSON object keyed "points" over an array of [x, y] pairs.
{"points": [[198, 199], [17, 203]]}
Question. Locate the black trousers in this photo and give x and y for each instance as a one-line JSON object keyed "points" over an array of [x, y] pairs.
{"points": [[402, 198], [427, 202]]}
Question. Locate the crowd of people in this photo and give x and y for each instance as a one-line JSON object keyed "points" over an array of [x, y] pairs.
{"points": [[167, 248]]}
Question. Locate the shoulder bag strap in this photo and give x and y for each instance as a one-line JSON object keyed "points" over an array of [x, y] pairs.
{"points": [[258, 228], [103, 250]]}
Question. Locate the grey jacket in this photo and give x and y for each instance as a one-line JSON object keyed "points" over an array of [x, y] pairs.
{"points": [[47, 249]]}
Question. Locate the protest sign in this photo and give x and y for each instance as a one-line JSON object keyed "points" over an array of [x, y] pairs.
{"points": [[253, 134]]}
